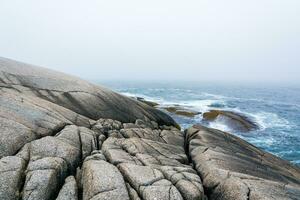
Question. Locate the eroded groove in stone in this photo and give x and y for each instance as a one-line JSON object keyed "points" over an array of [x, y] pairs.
{"points": [[69, 191], [153, 167], [11, 177], [50, 160], [150, 183]]}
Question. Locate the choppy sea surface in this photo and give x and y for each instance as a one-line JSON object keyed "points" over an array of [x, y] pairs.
{"points": [[276, 109]]}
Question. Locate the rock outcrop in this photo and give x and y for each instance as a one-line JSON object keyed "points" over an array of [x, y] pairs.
{"points": [[234, 169], [75, 94], [63, 138], [179, 110], [36, 102]]}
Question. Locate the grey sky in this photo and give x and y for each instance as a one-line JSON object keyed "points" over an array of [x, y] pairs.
{"points": [[232, 40]]}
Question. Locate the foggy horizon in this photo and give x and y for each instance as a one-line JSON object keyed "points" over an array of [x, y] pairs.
{"points": [[203, 41]]}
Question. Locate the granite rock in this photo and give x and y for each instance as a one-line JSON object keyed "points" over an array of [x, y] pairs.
{"points": [[64, 138], [231, 168]]}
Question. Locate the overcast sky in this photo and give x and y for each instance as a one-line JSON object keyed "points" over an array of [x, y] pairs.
{"points": [[203, 40]]}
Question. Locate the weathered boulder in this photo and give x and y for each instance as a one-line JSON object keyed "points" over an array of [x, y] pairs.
{"points": [[154, 164], [102, 180], [75, 94], [50, 162], [234, 169], [179, 110], [233, 120], [39, 169]]}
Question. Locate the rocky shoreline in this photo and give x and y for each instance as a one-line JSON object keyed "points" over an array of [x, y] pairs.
{"points": [[234, 120], [64, 138]]}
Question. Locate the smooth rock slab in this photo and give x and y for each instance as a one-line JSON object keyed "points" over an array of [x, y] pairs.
{"points": [[24, 118], [75, 94], [233, 169]]}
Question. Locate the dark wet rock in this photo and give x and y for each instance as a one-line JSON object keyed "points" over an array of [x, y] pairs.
{"points": [[187, 113], [234, 169], [235, 121], [164, 127], [178, 110]]}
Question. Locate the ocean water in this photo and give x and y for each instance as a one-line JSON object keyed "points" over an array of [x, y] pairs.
{"points": [[276, 109]]}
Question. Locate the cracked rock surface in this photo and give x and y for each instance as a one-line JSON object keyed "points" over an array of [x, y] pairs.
{"points": [[234, 169], [66, 139]]}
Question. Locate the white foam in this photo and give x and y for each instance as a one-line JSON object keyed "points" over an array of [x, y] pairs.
{"points": [[201, 105], [133, 94], [270, 120], [220, 126], [263, 119]]}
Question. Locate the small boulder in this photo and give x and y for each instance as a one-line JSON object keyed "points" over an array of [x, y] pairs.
{"points": [[102, 180], [178, 110]]}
